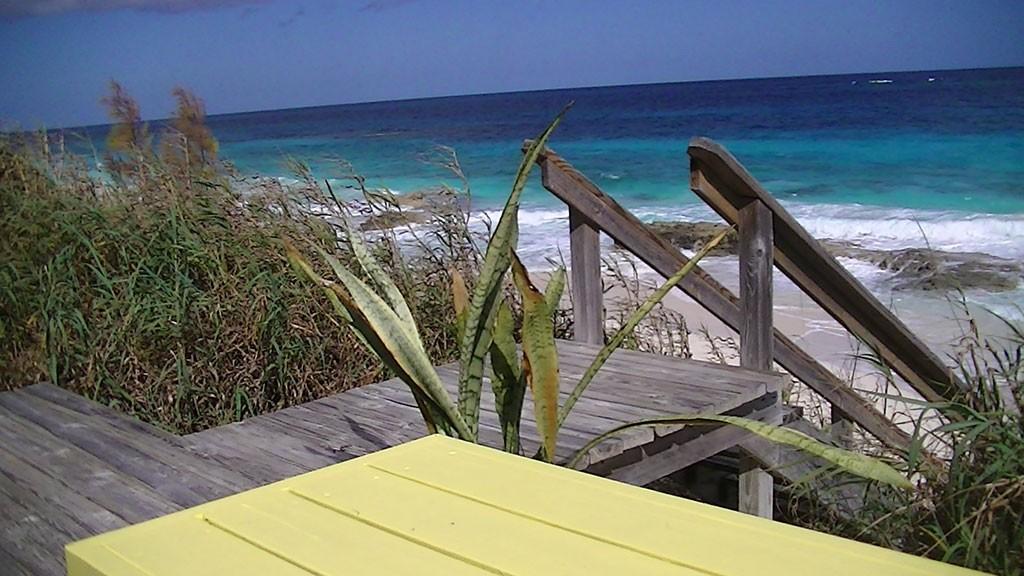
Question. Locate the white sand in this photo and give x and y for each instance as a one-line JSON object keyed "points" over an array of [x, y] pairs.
{"points": [[933, 317]]}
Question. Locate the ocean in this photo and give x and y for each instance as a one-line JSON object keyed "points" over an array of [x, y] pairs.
{"points": [[888, 160]]}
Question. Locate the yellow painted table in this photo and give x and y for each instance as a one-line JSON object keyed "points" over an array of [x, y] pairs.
{"points": [[445, 507]]}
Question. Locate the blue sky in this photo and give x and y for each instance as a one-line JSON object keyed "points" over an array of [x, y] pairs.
{"points": [[250, 54]]}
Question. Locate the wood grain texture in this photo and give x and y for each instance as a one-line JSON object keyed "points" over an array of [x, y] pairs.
{"points": [[585, 268], [756, 487], [566, 183], [801, 472], [755, 260], [719, 179], [182, 482], [756, 490], [703, 443], [70, 468]]}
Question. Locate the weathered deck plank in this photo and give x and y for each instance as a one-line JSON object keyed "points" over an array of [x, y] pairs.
{"points": [[79, 471], [58, 483], [70, 468], [133, 455]]}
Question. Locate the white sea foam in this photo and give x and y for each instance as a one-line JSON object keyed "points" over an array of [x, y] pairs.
{"points": [[544, 237], [888, 228], [996, 234], [871, 227]]}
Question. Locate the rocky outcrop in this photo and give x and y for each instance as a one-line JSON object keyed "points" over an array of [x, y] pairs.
{"points": [[694, 235], [392, 219], [912, 268], [413, 208], [925, 269]]}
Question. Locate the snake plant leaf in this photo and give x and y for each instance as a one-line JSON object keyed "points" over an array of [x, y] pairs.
{"points": [[460, 301], [479, 317], [381, 278], [433, 416], [384, 328], [631, 324], [507, 380], [555, 287], [303, 268], [852, 462], [540, 358]]}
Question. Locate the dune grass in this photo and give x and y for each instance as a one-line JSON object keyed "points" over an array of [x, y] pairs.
{"points": [[167, 296], [969, 508]]}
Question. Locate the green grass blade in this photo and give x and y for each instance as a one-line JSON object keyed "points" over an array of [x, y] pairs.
{"points": [[631, 324], [507, 380], [851, 462], [540, 358], [480, 315]]}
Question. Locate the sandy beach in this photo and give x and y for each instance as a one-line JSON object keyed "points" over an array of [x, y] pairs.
{"points": [[939, 319]]}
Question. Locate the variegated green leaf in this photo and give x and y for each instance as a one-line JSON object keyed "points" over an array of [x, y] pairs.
{"points": [[555, 287], [460, 301], [383, 323], [851, 462], [507, 380], [433, 416], [631, 324], [540, 358], [480, 315], [303, 268], [381, 278]]}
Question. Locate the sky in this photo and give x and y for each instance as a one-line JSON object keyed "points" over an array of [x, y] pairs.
{"points": [[243, 55]]}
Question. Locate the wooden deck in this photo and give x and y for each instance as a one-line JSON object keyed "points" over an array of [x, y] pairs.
{"points": [[70, 468]]}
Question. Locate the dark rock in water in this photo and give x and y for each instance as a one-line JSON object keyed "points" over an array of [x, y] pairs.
{"points": [[925, 269], [912, 268], [441, 199], [393, 219], [413, 208], [694, 235]]}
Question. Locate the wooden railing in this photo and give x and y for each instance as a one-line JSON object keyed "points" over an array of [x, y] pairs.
{"points": [[768, 237], [719, 179]]}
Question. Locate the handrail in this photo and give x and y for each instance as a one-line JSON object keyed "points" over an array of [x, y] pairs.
{"points": [[595, 209], [719, 179]]}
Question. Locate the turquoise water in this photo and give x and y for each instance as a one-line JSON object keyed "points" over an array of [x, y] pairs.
{"points": [[936, 156]]}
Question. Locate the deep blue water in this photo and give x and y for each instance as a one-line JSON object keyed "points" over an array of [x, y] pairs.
{"points": [[850, 156]]}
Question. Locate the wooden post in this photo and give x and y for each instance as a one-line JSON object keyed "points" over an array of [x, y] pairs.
{"points": [[842, 428], [721, 181], [755, 253], [756, 489], [587, 293], [570, 186]]}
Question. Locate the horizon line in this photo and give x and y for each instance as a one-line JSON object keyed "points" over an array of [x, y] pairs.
{"points": [[556, 89]]}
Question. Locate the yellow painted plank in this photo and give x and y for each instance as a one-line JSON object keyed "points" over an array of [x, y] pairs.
{"points": [[660, 525], [441, 506], [325, 542], [487, 537], [181, 543]]}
